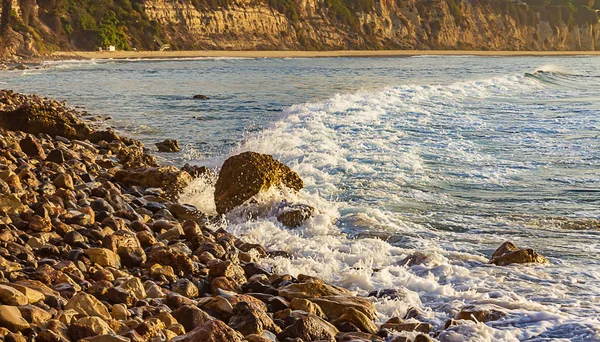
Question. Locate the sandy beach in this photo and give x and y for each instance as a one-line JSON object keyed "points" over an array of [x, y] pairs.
{"points": [[309, 54]]}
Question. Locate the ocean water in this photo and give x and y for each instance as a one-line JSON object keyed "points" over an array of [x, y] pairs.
{"points": [[447, 156]]}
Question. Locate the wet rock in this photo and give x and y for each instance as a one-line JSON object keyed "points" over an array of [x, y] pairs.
{"points": [[212, 331], [398, 324], [196, 171], [169, 145], [247, 174], [294, 216], [508, 254], [11, 318], [247, 319], [483, 314], [358, 337], [309, 328], [200, 97]]}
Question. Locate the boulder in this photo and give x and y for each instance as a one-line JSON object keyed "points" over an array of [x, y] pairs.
{"points": [[11, 204], [309, 328], [294, 216], [248, 320], [212, 331], [103, 257], [169, 145], [247, 174], [168, 178], [12, 296], [35, 315], [32, 147], [311, 289], [89, 327], [334, 306], [11, 318], [190, 316], [359, 319], [307, 306], [508, 254], [395, 323], [481, 314], [88, 305]]}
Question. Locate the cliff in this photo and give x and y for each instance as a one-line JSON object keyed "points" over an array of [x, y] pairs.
{"points": [[44, 25]]}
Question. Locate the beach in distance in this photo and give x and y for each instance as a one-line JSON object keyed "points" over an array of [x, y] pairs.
{"points": [[308, 54]]}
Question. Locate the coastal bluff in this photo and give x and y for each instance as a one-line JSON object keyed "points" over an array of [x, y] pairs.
{"points": [[95, 246], [42, 27]]}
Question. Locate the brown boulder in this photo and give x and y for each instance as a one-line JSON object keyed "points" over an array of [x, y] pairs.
{"points": [[296, 215], [311, 288], [32, 147], [247, 174], [212, 331], [248, 320], [169, 145], [168, 178], [508, 254], [309, 328], [359, 319], [483, 315], [334, 306]]}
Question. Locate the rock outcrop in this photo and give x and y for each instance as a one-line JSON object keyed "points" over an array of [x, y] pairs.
{"points": [[508, 254], [245, 175]]}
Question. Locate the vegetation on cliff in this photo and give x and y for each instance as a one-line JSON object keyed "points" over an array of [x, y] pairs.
{"points": [[47, 25]]}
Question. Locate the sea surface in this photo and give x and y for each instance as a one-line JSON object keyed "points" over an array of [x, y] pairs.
{"points": [[447, 156]]}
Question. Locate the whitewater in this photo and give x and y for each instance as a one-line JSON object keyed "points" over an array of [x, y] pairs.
{"points": [[445, 157]]}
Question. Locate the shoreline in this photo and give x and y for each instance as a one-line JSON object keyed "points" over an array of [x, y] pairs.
{"points": [[310, 54]]}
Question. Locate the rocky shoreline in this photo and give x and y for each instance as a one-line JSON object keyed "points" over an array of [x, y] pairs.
{"points": [[95, 246]]}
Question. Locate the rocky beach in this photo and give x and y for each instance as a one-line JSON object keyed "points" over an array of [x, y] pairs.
{"points": [[95, 246]]}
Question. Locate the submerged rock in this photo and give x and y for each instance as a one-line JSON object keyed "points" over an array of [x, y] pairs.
{"points": [[200, 97], [247, 174], [294, 216], [169, 145], [508, 254]]}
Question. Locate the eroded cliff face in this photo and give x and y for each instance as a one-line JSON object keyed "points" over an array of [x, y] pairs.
{"points": [[408, 24]]}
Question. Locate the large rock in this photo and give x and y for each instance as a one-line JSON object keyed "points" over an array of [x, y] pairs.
{"points": [[334, 306], [248, 320], [169, 145], [11, 204], [310, 289], [45, 117], [88, 305], [508, 254], [480, 314], [10, 318], [168, 178], [212, 331], [309, 328], [89, 327], [190, 316], [12, 296], [247, 174], [103, 257], [359, 319]]}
